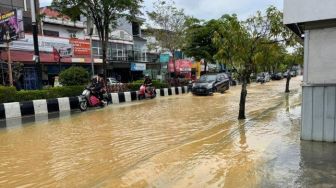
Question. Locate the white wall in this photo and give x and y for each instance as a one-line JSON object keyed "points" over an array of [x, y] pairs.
{"points": [[321, 62], [318, 113], [299, 11], [63, 31], [124, 24]]}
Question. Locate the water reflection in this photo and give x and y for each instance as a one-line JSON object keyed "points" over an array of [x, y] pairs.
{"points": [[318, 164], [242, 135]]}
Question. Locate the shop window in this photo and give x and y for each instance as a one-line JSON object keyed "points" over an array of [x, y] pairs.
{"points": [[51, 33]]}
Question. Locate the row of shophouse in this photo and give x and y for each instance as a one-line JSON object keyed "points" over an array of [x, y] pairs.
{"points": [[128, 54], [128, 57]]}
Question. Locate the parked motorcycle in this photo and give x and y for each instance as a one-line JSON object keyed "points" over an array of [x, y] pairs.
{"points": [[87, 99], [146, 92]]}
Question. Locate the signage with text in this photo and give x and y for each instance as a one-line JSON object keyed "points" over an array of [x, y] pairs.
{"points": [[80, 47], [164, 58], [181, 65], [11, 26], [138, 67]]}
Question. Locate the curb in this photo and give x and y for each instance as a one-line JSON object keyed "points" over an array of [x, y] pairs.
{"points": [[68, 104]]}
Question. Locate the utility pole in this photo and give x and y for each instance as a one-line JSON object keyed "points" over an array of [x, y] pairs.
{"points": [[9, 58], [2, 70], [91, 53], [36, 46], [59, 62]]}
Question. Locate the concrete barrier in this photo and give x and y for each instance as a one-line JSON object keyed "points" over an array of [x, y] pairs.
{"points": [[67, 104]]}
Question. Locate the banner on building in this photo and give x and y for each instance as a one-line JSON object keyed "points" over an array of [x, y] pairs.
{"points": [[57, 56], [11, 26], [80, 47], [138, 67], [65, 47], [181, 65]]}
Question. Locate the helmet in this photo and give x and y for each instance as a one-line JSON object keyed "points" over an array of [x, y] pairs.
{"points": [[101, 74], [146, 75]]}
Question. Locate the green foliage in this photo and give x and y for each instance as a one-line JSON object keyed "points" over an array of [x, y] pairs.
{"points": [[295, 58], [233, 42], [169, 24], [134, 86], [198, 43], [270, 58], [256, 44], [259, 42], [9, 94], [74, 76]]}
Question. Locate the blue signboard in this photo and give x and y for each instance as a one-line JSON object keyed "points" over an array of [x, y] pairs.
{"points": [[164, 58], [138, 67], [178, 55]]}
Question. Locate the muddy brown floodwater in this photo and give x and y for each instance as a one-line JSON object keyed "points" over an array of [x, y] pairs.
{"points": [[178, 141]]}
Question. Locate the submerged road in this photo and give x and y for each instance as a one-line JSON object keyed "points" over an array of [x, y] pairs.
{"points": [[177, 141]]}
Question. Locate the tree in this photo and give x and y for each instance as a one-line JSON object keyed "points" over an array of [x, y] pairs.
{"points": [[74, 76], [103, 13], [283, 35], [240, 42], [296, 58], [270, 57], [237, 42], [168, 26], [198, 43]]}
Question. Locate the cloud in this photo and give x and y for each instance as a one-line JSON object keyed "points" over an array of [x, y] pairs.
{"points": [[44, 3], [213, 9]]}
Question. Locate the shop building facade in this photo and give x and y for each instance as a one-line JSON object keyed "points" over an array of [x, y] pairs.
{"points": [[72, 41], [315, 22]]}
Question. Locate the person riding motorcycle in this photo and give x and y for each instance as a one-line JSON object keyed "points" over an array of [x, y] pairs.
{"points": [[98, 86], [148, 82]]}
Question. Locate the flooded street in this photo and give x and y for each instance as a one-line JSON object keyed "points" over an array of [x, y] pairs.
{"points": [[177, 141]]}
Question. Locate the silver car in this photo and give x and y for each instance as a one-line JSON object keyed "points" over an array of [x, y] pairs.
{"points": [[112, 81]]}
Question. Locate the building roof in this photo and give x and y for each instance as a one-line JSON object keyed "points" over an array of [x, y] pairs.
{"points": [[47, 11], [301, 15]]}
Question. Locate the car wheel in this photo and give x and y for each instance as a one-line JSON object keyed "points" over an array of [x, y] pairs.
{"points": [[227, 88]]}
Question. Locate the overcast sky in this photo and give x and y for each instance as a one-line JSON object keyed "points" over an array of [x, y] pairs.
{"points": [[213, 9]]}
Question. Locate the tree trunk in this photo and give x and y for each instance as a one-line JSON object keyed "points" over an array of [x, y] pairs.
{"points": [[242, 102], [205, 66], [104, 49], [287, 82]]}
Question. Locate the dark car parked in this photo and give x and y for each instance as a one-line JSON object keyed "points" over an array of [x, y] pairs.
{"points": [[211, 83], [277, 76]]}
